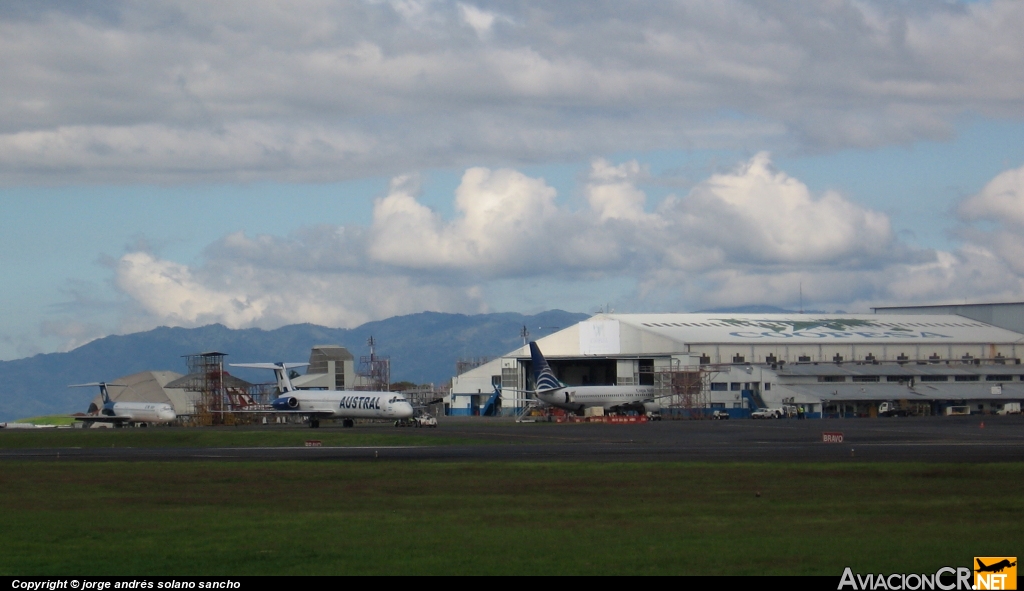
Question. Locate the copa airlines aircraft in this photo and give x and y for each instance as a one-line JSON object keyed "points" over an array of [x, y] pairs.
{"points": [[576, 398], [332, 404], [121, 413]]}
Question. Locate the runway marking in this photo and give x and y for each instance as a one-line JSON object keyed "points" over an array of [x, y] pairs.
{"points": [[360, 447], [496, 435]]}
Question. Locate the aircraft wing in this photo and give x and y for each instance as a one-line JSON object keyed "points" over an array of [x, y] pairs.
{"points": [[311, 413], [104, 419], [269, 365]]}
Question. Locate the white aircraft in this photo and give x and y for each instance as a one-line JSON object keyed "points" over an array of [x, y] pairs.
{"points": [[576, 398], [121, 413], [332, 404]]}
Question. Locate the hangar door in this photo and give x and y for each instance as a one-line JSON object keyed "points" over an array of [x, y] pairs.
{"points": [[577, 372]]}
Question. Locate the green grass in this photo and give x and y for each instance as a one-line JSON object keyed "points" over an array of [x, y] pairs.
{"points": [[503, 518], [218, 437], [49, 420]]}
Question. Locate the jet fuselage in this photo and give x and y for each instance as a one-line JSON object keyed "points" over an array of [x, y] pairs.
{"points": [[346, 404], [608, 397]]}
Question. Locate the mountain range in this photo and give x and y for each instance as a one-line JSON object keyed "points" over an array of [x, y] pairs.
{"points": [[423, 349]]}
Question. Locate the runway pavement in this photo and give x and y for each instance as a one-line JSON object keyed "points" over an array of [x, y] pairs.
{"points": [[930, 439]]}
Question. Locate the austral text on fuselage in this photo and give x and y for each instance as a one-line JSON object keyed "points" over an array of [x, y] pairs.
{"points": [[360, 402]]}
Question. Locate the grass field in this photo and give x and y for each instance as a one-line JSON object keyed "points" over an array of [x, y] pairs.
{"points": [[217, 437], [512, 518], [62, 420]]}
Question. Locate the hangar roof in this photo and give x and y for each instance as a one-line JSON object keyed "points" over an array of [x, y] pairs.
{"points": [[795, 329], [149, 386]]}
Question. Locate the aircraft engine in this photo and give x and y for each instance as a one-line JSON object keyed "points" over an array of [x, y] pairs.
{"points": [[285, 403]]}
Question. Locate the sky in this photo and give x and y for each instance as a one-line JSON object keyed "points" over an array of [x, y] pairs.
{"points": [[260, 163]]}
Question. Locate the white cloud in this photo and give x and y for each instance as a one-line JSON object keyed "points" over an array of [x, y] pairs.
{"points": [[757, 225], [1001, 204], [172, 291], [612, 193], [71, 333], [242, 295], [507, 224], [1002, 200], [315, 91], [759, 215], [478, 19], [754, 235]]}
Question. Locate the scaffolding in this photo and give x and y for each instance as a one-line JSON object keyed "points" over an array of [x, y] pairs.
{"points": [[467, 363], [206, 376], [374, 372], [684, 390], [427, 396]]}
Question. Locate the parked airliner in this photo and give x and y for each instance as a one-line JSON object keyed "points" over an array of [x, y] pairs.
{"points": [[576, 398], [332, 404], [121, 413]]}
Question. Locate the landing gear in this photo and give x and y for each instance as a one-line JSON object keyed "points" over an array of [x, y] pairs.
{"points": [[314, 423], [348, 423]]}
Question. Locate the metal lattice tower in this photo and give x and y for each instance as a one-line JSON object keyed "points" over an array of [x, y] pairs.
{"points": [[375, 371], [206, 376]]}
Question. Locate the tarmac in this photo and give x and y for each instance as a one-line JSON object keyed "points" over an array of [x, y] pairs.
{"points": [[987, 438]]}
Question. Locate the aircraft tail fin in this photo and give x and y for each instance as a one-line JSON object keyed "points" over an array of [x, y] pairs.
{"points": [[284, 383], [544, 379], [103, 389]]}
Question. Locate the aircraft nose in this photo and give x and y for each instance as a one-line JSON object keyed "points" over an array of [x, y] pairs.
{"points": [[404, 410]]}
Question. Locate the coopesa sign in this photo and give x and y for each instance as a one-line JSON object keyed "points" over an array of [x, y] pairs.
{"points": [[834, 328], [835, 334]]}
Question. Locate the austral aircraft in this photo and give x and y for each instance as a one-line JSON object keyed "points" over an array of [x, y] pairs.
{"points": [[332, 404], [121, 413], [576, 398]]}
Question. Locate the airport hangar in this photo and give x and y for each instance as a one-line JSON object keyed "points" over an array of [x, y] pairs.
{"points": [[824, 364]]}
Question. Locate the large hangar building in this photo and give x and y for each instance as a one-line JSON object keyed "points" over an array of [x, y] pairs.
{"points": [[823, 364]]}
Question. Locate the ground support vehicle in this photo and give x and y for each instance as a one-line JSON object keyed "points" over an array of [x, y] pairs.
{"points": [[892, 409], [423, 420]]}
